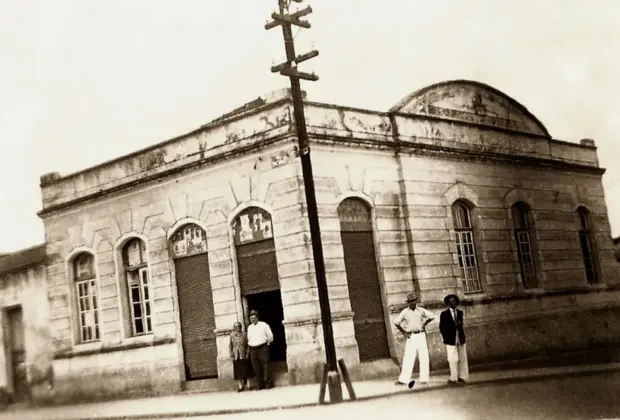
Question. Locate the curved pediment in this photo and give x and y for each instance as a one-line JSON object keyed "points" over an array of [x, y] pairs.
{"points": [[472, 102]]}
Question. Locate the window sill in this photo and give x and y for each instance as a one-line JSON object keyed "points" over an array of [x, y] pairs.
{"points": [[88, 347], [81, 350], [145, 339]]}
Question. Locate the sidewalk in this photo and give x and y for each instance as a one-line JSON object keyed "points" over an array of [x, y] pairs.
{"points": [[188, 405]]}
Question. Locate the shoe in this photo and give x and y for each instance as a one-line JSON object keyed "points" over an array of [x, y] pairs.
{"points": [[462, 380], [451, 382], [399, 383], [411, 384], [424, 383]]}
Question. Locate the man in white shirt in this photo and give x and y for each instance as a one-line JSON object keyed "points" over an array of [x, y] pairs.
{"points": [[259, 339], [411, 322]]}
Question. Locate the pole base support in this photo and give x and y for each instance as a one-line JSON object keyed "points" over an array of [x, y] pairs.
{"points": [[331, 380]]}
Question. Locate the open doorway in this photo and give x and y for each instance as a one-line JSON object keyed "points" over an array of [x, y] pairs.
{"points": [[270, 310], [17, 354]]}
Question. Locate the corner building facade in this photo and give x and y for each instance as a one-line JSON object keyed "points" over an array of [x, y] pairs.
{"points": [[152, 257]]}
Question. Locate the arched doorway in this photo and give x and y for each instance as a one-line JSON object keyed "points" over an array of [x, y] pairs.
{"points": [[356, 232], [258, 273], [191, 262]]}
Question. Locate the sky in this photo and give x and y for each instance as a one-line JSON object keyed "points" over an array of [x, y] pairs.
{"points": [[85, 81]]}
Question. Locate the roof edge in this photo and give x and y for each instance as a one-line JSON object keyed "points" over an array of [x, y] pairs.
{"points": [[23, 259]]}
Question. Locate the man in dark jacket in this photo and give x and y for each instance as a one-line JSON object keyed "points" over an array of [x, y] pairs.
{"points": [[453, 335]]}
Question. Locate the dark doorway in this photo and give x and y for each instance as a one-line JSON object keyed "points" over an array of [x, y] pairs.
{"points": [[269, 307], [17, 350]]}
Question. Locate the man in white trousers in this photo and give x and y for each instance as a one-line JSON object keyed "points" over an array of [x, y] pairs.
{"points": [[411, 322], [453, 335]]}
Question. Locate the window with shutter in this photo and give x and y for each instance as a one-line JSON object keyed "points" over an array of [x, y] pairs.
{"points": [[197, 314], [356, 232]]}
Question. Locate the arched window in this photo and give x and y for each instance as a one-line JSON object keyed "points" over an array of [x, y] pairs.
{"points": [[137, 282], [465, 247], [85, 280], [522, 220], [588, 252]]}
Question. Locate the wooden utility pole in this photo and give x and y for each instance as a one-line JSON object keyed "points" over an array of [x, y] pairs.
{"points": [[331, 377]]}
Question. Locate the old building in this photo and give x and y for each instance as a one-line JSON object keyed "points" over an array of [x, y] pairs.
{"points": [[153, 256]]}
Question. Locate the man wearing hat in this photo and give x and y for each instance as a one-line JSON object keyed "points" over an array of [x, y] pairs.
{"points": [[453, 335], [411, 322], [259, 339]]}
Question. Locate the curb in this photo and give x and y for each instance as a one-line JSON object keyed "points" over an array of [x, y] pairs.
{"points": [[483, 382]]}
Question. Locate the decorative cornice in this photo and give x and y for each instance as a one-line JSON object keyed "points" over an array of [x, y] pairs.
{"points": [[227, 118], [450, 153], [419, 149], [151, 179]]}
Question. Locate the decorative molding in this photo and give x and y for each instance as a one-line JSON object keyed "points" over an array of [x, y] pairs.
{"points": [[316, 320], [432, 151], [219, 332], [185, 221], [539, 294], [275, 160], [456, 154], [69, 354], [154, 178], [189, 239], [251, 225], [356, 194], [517, 194], [460, 191]]}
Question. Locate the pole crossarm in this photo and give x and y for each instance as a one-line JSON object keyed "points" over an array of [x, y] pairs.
{"points": [[299, 59], [291, 19], [292, 72]]}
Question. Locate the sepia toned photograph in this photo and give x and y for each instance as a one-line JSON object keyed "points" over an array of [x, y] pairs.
{"points": [[276, 209]]}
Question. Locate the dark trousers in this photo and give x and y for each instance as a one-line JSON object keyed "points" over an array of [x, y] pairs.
{"points": [[260, 364]]}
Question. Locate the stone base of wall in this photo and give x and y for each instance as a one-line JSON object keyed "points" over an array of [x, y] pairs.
{"points": [[539, 336], [508, 340], [139, 381], [133, 373]]}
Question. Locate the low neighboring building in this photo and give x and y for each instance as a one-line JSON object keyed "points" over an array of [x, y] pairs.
{"points": [[26, 356], [153, 256]]}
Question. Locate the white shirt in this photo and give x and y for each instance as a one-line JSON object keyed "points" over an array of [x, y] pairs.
{"points": [[413, 320], [453, 312], [259, 334]]}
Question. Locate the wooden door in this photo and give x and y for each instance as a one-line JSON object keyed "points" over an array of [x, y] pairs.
{"points": [[197, 316], [363, 280]]}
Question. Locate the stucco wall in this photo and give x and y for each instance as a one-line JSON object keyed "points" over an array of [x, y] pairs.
{"points": [[28, 290]]}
